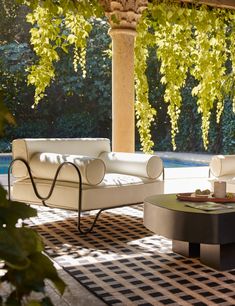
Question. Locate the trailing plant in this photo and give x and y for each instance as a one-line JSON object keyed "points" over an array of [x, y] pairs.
{"points": [[187, 38], [25, 266], [145, 113], [67, 103], [210, 57], [57, 25], [174, 58]]}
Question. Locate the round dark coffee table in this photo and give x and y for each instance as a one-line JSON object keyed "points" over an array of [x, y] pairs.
{"points": [[209, 235]]}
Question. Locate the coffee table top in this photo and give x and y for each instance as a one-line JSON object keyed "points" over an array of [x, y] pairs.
{"points": [[169, 201], [169, 217]]}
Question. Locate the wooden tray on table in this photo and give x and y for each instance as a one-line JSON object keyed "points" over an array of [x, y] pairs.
{"points": [[203, 198]]}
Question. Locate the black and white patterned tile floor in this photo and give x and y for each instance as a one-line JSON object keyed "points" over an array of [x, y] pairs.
{"points": [[124, 264]]}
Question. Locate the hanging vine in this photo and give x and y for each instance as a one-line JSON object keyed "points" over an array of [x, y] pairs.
{"points": [[188, 38], [57, 25], [210, 57], [174, 57], [145, 113], [44, 38]]}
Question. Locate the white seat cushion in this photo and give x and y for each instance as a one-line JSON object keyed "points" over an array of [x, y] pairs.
{"points": [[115, 190]]}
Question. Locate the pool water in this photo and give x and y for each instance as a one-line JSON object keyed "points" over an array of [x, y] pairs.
{"points": [[168, 163], [175, 163], [4, 163]]}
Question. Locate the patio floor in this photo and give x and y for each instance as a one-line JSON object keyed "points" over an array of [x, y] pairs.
{"points": [[176, 180]]}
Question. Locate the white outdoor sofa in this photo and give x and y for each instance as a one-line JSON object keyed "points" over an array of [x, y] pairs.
{"points": [[222, 168], [81, 174]]}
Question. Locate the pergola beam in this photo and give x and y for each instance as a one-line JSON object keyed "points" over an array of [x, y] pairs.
{"points": [[230, 4]]}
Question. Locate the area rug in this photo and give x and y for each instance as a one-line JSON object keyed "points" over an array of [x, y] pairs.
{"points": [[125, 264]]}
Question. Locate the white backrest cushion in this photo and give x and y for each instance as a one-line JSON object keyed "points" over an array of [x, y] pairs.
{"points": [[45, 165], [222, 165], [138, 164], [26, 148]]}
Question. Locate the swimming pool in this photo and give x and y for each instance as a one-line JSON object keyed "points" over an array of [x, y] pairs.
{"points": [[176, 163], [167, 162], [4, 163]]}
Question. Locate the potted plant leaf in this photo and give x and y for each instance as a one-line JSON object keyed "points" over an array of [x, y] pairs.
{"points": [[24, 265]]}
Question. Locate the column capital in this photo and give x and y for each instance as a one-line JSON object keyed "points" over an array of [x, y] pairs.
{"points": [[124, 14]]}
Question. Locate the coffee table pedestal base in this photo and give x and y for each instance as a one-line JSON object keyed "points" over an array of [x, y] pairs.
{"points": [[219, 257], [186, 249]]}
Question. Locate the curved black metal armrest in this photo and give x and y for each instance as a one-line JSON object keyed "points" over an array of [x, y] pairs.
{"points": [[43, 199]]}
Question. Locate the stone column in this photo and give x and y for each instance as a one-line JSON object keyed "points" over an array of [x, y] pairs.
{"points": [[123, 17], [123, 113]]}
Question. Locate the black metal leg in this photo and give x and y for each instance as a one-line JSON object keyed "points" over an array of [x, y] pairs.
{"points": [[88, 230], [9, 181], [209, 173]]}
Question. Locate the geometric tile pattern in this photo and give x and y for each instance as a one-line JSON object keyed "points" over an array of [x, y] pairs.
{"points": [[125, 264]]}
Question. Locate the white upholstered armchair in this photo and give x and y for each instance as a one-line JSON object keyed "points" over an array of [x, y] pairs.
{"points": [[81, 174]]}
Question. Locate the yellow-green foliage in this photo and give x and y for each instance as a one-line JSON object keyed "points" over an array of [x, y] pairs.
{"points": [[231, 84], [188, 39], [144, 112], [58, 24]]}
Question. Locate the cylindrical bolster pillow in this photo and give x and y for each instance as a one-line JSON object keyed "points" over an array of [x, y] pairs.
{"points": [[44, 165], [221, 165], [137, 164]]}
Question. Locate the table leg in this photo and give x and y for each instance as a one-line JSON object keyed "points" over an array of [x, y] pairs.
{"points": [[219, 257], [186, 249]]}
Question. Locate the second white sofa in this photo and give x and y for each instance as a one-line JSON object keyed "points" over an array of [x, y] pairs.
{"points": [[222, 168]]}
